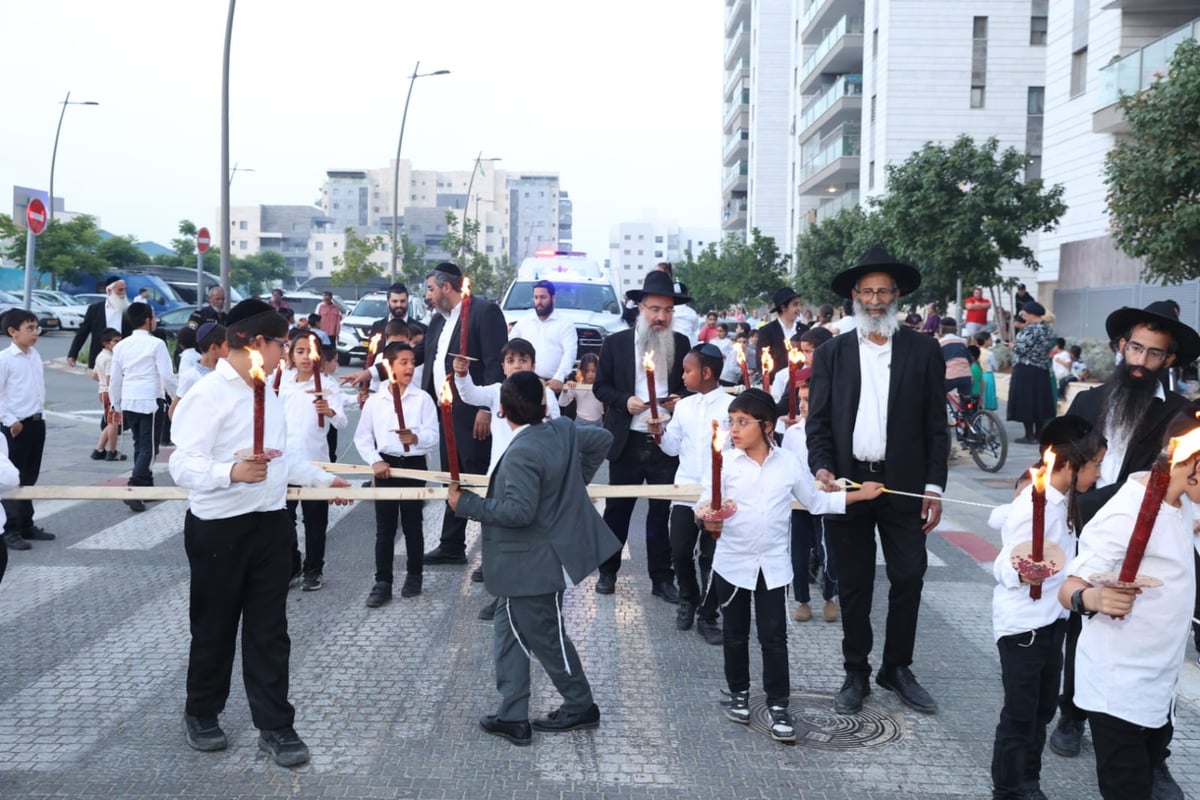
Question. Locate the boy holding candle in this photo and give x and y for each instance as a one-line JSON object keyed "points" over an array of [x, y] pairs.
{"points": [[238, 537], [1133, 641], [752, 562], [306, 405], [381, 442], [1029, 632]]}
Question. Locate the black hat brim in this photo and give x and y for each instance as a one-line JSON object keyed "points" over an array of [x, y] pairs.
{"points": [[636, 295], [788, 297], [1187, 341], [908, 278]]}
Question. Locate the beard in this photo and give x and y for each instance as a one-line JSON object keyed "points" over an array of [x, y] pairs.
{"points": [[118, 303], [885, 326], [661, 342], [1127, 402]]}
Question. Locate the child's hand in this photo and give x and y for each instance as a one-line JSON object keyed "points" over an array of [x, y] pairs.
{"points": [[870, 490], [571, 385], [460, 366], [714, 526], [1116, 602], [654, 426], [1030, 581], [323, 408], [340, 483], [248, 472], [381, 469], [407, 437]]}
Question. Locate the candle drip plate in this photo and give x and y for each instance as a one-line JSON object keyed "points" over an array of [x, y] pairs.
{"points": [[1113, 579], [325, 392], [248, 454], [705, 511], [1053, 560]]}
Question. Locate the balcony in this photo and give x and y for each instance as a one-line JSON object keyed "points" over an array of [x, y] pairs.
{"points": [[736, 75], [738, 145], [849, 199], [736, 11], [733, 218], [737, 44], [818, 15], [735, 178], [835, 160], [848, 87], [1133, 73], [739, 110], [840, 52]]}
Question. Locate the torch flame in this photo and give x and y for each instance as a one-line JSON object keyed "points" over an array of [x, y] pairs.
{"points": [[794, 355], [719, 437], [373, 345], [768, 363], [1041, 476], [741, 352], [466, 290], [447, 393], [256, 365], [1184, 447], [314, 345], [387, 367], [648, 361]]}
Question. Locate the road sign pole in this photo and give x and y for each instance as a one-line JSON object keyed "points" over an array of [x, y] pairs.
{"points": [[199, 279], [30, 267]]}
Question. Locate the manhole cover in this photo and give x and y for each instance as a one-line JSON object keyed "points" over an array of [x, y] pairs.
{"points": [[817, 725]]}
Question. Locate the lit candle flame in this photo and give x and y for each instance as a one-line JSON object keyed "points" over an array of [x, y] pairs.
{"points": [[387, 367], [314, 345], [740, 351], [718, 438], [1041, 476], [256, 365], [768, 363], [447, 393], [794, 355], [648, 361], [373, 345], [1184, 447], [466, 290]]}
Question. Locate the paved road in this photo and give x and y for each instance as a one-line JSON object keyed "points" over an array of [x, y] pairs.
{"points": [[94, 633]]}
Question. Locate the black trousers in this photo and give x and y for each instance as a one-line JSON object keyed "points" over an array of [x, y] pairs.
{"points": [[1127, 755], [808, 536], [332, 440], [642, 461], [25, 452], [1066, 701], [316, 525], [408, 513], [852, 536], [454, 528], [1030, 665], [685, 535], [240, 568], [770, 614], [3, 558], [144, 447]]}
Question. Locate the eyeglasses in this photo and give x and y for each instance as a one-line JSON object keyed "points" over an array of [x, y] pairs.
{"points": [[1152, 354], [739, 422], [660, 309], [871, 294], [281, 342]]}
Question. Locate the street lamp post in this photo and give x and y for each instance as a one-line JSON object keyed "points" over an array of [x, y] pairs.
{"points": [[466, 210], [235, 169], [54, 154], [396, 177], [226, 175]]}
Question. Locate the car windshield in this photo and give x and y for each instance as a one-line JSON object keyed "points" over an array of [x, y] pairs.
{"points": [[6, 297], [574, 296], [374, 307]]}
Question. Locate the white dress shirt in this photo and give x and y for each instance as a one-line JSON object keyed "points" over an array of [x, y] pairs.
{"points": [[141, 373], [214, 421], [869, 442], [188, 360], [1129, 668], [1118, 445], [641, 389], [686, 321], [1013, 610], [188, 379], [758, 537], [489, 397], [554, 342], [304, 435], [443, 343], [846, 324], [22, 384], [376, 434], [688, 434], [9, 477]]}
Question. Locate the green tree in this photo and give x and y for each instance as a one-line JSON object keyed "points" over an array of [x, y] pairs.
{"points": [[120, 252], [489, 277], [830, 247], [413, 263], [961, 210], [1154, 173], [735, 273], [255, 273], [66, 249], [355, 267]]}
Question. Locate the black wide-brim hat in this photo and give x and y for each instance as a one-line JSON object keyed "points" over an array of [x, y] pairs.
{"points": [[657, 283], [1161, 315], [782, 297], [907, 277]]}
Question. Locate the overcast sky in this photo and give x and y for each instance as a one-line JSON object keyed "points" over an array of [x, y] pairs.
{"points": [[621, 98]]}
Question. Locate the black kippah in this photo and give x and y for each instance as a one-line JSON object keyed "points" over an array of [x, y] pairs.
{"points": [[756, 403], [1064, 430], [449, 269], [247, 309]]}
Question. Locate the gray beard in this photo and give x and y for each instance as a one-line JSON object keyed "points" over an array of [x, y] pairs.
{"points": [[885, 326], [118, 303], [662, 343]]}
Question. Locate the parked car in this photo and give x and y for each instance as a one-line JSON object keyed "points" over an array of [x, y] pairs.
{"points": [[183, 281], [47, 320], [346, 290], [162, 297], [358, 322], [170, 322], [70, 315], [90, 297]]}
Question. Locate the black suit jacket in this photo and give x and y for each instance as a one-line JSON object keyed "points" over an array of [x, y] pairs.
{"points": [[917, 443], [94, 324], [1144, 445], [615, 383], [486, 335], [771, 337]]}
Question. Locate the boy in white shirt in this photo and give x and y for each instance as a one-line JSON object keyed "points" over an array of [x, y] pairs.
{"points": [[22, 403], [212, 347], [106, 446], [9, 479]]}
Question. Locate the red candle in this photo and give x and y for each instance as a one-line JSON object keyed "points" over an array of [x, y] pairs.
{"points": [[717, 459], [648, 364], [448, 425], [396, 398], [465, 315], [1038, 547], [259, 380], [741, 359], [795, 358], [1156, 489], [278, 376], [317, 360]]}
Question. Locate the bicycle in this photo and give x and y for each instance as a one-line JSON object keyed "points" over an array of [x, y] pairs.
{"points": [[978, 430]]}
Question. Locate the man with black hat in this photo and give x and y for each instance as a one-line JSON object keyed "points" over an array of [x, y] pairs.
{"points": [[775, 335], [635, 456], [103, 314], [486, 335], [685, 320], [877, 412], [1132, 410]]}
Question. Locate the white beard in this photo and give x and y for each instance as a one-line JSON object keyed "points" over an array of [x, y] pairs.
{"points": [[885, 326], [118, 303], [661, 342]]}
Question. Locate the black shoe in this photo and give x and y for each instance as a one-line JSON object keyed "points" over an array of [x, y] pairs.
{"points": [[296, 579], [666, 590], [115, 456], [15, 542], [285, 747], [1164, 787], [782, 729], [737, 707], [36, 534], [488, 612], [606, 583], [311, 582], [685, 616], [204, 733], [439, 556], [710, 629], [97, 455], [559, 721], [477, 575], [1025, 440], [1036, 793], [381, 592], [136, 505], [1067, 737], [412, 585], [519, 733], [901, 681], [854, 689]]}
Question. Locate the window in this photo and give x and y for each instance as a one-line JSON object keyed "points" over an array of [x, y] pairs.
{"points": [[1079, 72], [978, 60], [627, 252], [1036, 103], [320, 265], [875, 42], [242, 245], [641, 252], [658, 240], [1039, 28], [979, 28], [1033, 170], [320, 245], [871, 175], [335, 205], [874, 98], [977, 93], [658, 253], [242, 225]]}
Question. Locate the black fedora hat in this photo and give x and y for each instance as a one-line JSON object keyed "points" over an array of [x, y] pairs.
{"points": [[877, 260], [782, 297], [658, 283], [1161, 315]]}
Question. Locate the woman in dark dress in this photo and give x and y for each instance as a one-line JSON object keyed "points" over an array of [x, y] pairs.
{"points": [[1030, 400]]}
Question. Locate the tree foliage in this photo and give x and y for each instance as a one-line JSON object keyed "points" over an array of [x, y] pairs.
{"points": [[255, 274], [738, 272], [355, 265], [1154, 173], [830, 247], [66, 249], [489, 276], [120, 252]]}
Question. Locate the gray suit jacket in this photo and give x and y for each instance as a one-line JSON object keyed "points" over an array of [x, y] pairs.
{"points": [[537, 517]]}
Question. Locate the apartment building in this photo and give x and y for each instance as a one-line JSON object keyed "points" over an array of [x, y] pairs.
{"points": [[279, 228], [634, 248], [533, 213]]}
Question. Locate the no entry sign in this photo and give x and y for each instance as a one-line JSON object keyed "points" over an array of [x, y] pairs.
{"points": [[202, 240], [35, 216]]}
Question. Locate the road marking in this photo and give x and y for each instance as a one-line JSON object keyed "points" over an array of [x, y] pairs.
{"points": [[142, 531], [38, 584]]}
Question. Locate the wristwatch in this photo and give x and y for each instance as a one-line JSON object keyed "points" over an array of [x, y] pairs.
{"points": [[1077, 604]]}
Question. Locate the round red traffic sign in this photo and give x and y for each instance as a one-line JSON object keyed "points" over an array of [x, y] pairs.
{"points": [[202, 240], [35, 216]]}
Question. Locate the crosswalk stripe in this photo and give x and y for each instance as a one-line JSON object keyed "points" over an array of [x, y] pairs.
{"points": [[36, 585]]}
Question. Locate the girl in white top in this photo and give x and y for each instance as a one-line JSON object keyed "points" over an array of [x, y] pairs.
{"points": [[1133, 640], [588, 410], [1029, 633], [106, 446], [752, 559]]}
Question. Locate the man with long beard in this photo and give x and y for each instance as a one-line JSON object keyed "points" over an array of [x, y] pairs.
{"points": [[635, 456], [109, 313], [1132, 410], [877, 412]]}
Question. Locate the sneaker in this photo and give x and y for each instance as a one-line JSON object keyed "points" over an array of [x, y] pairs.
{"points": [[204, 733], [831, 612], [97, 455], [36, 534], [477, 575], [737, 707], [14, 541], [606, 583], [802, 613], [710, 629], [115, 456], [311, 582], [782, 729], [560, 721], [136, 505], [284, 746], [1164, 786], [488, 612], [381, 592], [412, 585], [1067, 738], [685, 615]]}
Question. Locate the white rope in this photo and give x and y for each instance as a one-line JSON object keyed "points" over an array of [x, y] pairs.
{"points": [[846, 483]]}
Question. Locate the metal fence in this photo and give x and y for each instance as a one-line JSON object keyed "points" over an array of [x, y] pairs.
{"points": [[1080, 313]]}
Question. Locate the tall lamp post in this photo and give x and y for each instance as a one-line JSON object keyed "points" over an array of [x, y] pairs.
{"points": [[226, 175], [466, 210], [54, 154], [396, 177]]}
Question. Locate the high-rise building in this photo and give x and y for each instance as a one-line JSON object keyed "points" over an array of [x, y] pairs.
{"points": [[281, 229], [533, 213]]}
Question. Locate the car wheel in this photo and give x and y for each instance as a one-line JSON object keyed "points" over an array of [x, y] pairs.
{"points": [[344, 359]]}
